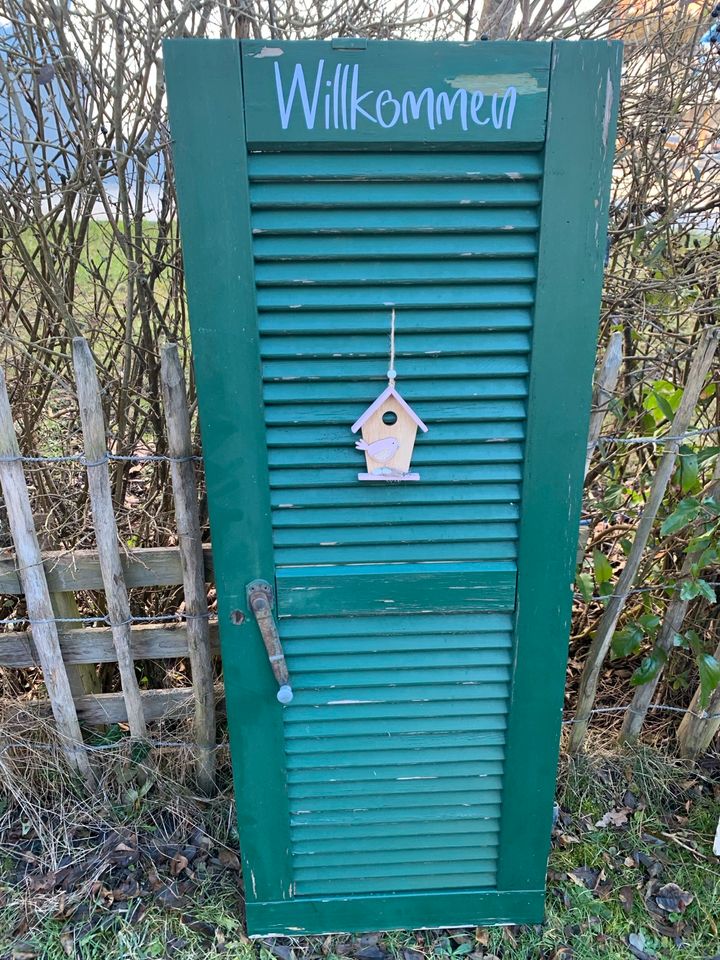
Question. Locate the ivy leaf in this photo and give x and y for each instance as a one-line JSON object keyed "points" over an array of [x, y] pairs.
{"points": [[709, 677], [649, 622], [682, 515], [585, 586], [627, 641], [696, 588], [690, 589], [663, 405], [703, 541], [693, 639], [706, 590], [662, 401], [689, 470], [649, 668], [603, 570]]}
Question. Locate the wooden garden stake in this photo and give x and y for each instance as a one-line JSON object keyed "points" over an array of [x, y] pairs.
{"points": [[37, 595], [697, 728], [705, 352], [82, 676], [187, 518], [672, 623], [93, 425], [604, 388]]}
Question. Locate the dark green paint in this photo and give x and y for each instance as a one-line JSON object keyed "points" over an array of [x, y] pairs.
{"points": [[573, 240], [408, 587], [456, 909], [206, 107], [425, 624]]}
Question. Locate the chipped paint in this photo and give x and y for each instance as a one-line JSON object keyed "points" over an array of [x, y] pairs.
{"points": [[608, 109], [496, 84], [268, 52], [349, 703]]}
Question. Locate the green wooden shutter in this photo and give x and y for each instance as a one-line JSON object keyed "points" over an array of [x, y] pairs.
{"points": [[409, 782]]}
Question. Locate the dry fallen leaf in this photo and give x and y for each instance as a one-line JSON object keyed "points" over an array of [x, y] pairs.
{"points": [[229, 859], [23, 951], [626, 895], [673, 899], [614, 818], [68, 942], [178, 864], [586, 877]]}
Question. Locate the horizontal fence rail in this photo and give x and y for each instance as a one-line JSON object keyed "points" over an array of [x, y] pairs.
{"points": [[70, 646]]}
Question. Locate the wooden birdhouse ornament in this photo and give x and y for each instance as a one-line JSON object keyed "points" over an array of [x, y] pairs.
{"points": [[389, 427]]}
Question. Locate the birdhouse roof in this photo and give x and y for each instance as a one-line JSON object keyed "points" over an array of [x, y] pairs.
{"points": [[389, 391]]}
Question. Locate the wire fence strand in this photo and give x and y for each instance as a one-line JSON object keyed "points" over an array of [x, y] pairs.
{"points": [[111, 457], [176, 617]]}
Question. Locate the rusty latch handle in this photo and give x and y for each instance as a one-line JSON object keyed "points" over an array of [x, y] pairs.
{"points": [[260, 600]]}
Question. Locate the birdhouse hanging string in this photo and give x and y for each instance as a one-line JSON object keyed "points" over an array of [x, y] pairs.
{"points": [[389, 427]]}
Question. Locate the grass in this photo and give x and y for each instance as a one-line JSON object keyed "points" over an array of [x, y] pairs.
{"points": [[657, 821]]}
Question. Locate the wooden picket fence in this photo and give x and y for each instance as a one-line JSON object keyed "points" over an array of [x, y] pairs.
{"points": [[59, 641]]}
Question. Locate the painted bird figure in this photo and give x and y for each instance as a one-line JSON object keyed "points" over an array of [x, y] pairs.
{"points": [[380, 450]]}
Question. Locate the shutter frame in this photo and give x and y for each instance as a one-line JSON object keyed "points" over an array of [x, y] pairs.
{"points": [[206, 102], [570, 273]]}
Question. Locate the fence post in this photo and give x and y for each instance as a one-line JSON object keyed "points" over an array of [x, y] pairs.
{"points": [[604, 388], [697, 728], [37, 595], [96, 462], [601, 643], [182, 469], [672, 623]]}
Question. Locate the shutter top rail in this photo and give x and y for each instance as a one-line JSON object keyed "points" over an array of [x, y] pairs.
{"points": [[303, 94]]}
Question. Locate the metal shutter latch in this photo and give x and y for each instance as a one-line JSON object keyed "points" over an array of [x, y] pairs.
{"points": [[260, 601]]}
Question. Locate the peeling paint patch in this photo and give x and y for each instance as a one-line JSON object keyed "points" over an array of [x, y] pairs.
{"points": [[608, 109], [268, 52], [497, 83], [346, 703]]}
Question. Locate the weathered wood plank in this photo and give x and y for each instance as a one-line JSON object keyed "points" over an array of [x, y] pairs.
{"points": [[698, 727], [143, 567], [37, 595], [95, 645], [110, 707], [106, 534], [185, 496], [606, 379]]}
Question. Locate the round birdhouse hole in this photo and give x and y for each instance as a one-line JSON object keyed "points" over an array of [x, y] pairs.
{"points": [[389, 417]]}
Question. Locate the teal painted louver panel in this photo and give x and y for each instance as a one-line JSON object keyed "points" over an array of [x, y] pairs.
{"points": [[334, 236], [395, 751], [403, 722]]}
